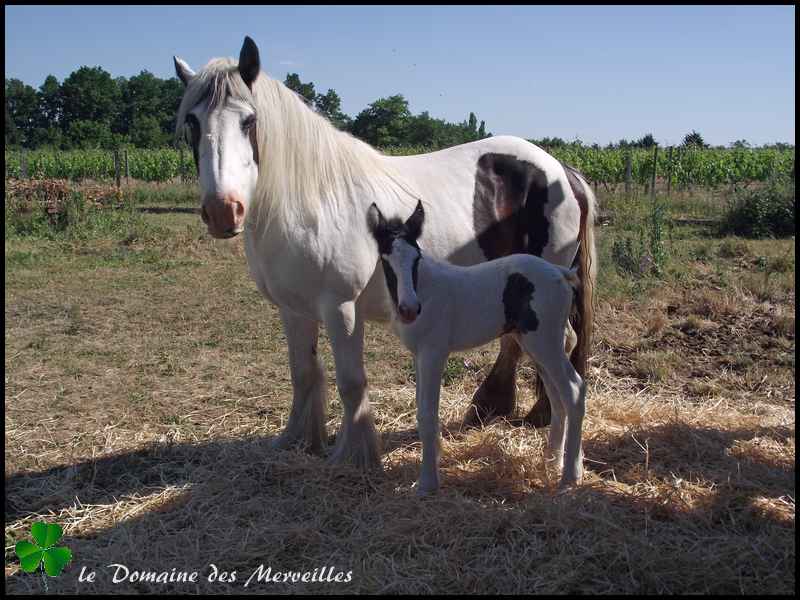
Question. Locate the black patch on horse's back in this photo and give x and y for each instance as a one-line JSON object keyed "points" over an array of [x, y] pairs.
{"points": [[508, 204], [517, 297]]}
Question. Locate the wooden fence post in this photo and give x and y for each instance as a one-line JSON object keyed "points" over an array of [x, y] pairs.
{"points": [[653, 180], [628, 173], [669, 172], [127, 170], [117, 168]]}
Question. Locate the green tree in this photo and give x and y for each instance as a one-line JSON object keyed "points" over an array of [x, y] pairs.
{"points": [[306, 90], [22, 107], [384, 122], [694, 139], [330, 105], [91, 95], [84, 134], [646, 141]]}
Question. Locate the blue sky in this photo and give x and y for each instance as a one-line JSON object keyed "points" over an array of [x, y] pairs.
{"points": [[599, 73]]}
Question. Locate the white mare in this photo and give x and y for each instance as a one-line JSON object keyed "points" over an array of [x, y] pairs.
{"points": [[441, 308], [298, 188]]}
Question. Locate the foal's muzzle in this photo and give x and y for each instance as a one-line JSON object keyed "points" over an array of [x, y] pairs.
{"points": [[408, 314]]}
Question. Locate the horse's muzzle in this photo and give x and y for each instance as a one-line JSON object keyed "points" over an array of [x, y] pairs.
{"points": [[223, 215]]}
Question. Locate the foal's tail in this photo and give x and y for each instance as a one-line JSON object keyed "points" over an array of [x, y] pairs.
{"points": [[586, 263]]}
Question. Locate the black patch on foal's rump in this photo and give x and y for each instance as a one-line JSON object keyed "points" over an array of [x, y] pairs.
{"points": [[517, 297], [508, 204]]}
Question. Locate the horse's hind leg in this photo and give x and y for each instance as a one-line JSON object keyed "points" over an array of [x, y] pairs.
{"points": [[497, 395], [357, 441], [307, 416], [540, 414]]}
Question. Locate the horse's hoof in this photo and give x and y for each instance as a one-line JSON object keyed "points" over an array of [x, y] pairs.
{"points": [[360, 460], [537, 417], [475, 417], [284, 442]]}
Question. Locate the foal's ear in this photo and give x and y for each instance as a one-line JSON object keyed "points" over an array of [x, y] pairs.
{"points": [[375, 220], [249, 62], [182, 70], [414, 222]]}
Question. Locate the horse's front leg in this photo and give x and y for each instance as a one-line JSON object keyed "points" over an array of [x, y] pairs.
{"points": [[357, 440], [307, 416], [428, 366]]}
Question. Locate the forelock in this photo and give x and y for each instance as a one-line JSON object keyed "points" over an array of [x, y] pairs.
{"points": [[217, 81]]}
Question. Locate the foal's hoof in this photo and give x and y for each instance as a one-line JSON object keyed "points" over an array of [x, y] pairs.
{"points": [[426, 490]]}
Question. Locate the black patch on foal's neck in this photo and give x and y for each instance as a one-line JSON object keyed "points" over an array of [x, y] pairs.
{"points": [[517, 297]]}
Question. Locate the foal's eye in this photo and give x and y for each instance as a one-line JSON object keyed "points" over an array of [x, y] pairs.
{"points": [[192, 121], [249, 123]]}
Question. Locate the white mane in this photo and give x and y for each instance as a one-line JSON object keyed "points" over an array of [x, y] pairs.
{"points": [[307, 165]]}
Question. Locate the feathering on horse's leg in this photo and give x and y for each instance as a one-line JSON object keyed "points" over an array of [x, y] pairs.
{"points": [[357, 440], [307, 416]]}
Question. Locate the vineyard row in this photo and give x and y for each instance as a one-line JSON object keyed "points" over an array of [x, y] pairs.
{"points": [[683, 166]]}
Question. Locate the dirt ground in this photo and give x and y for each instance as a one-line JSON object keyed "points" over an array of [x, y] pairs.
{"points": [[145, 378]]}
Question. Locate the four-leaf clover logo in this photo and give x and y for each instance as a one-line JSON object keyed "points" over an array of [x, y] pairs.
{"points": [[44, 552]]}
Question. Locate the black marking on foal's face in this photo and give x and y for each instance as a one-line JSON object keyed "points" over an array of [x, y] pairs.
{"points": [[517, 297], [386, 233], [508, 204]]}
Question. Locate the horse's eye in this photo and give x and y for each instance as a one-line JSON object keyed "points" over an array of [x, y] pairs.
{"points": [[192, 121], [248, 123]]}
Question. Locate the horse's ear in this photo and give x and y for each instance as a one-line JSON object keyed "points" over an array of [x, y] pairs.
{"points": [[414, 222], [375, 220], [249, 62], [182, 70]]}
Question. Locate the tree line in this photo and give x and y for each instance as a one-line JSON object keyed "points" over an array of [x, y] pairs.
{"points": [[91, 109]]}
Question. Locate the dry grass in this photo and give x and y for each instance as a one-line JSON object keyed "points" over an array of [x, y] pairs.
{"points": [[141, 396]]}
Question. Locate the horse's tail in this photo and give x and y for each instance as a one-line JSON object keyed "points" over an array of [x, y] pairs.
{"points": [[586, 262], [572, 277]]}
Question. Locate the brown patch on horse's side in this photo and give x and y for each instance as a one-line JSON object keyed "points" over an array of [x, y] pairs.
{"points": [[508, 206]]}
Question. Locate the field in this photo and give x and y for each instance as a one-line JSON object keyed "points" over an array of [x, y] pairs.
{"points": [[683, 167], [145, 377]]}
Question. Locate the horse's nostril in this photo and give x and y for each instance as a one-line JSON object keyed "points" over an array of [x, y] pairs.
{"points": [[419, 308]]}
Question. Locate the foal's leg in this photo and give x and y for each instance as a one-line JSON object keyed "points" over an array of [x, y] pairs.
{"points": [[496, 396], [572, 391], [307, 416], [357, 440], [540, 414], [564, 383], [428, 366]]}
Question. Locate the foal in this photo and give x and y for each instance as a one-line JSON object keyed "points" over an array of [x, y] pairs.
{"points": [[465, 307]]}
